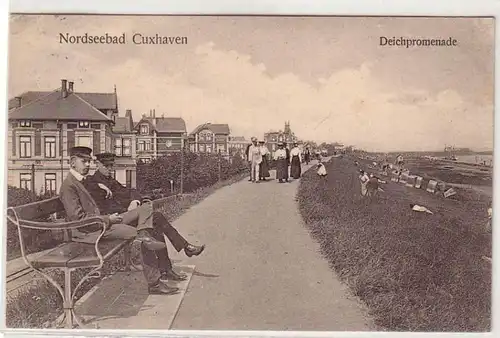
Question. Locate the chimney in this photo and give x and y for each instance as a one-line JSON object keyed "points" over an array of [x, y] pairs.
{"points": [[19, 101], [154, 113], [70, 87], [128, 113], [64, 89]]}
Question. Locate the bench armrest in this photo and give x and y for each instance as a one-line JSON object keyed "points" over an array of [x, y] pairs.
{"points": [[94, 220]]}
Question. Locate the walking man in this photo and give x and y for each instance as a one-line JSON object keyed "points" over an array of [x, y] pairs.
{"points": [[255, 158]]}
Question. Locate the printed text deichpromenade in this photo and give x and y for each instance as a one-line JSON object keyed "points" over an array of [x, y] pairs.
{"points": [[417, 42], [136, 39]]}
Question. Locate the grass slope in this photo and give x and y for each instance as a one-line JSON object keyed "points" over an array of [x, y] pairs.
{"points": [[415, 272]]}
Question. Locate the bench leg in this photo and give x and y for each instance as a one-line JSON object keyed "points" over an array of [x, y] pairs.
{"points": [[68, 299]]}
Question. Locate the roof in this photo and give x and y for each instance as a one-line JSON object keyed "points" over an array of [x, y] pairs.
{"points": [[165, 124], [98, 100], [53, 107], [122, 125], [215, 128]]}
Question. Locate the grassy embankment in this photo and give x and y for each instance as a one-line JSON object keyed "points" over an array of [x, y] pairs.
{"points": [[415, 271]]}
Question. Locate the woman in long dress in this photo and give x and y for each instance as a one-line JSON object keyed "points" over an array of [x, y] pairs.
{"points": [[281, 163], [295, 162], [264, 165]]}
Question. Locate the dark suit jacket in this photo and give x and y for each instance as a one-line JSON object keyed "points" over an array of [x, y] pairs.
{"points": [[287, 155], [77, 201], [122, 196]]}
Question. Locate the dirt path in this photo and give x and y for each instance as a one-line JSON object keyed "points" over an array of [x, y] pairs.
{"points": [[261, 270]]}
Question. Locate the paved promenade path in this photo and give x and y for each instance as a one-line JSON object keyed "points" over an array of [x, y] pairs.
{"points": [[260, 270]]}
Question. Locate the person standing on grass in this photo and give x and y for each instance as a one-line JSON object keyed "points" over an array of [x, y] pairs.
{"points": [[295, 161], [363, 178], [247, 156], [281, 163]]}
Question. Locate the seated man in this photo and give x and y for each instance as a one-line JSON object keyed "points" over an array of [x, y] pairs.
{"points": [[79, 204], [114, 197]]}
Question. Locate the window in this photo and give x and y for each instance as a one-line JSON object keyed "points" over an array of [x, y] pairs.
{"points": [[25, 181], [50, 183], [72, 125], [209, 148], [127, 149], [95, 126], [118, 147], [144, 145], [83, 124], [202, 148], [50, 146], [25, 124], [280, 138], [220, 148], [84, 141], [144, 129], [25, 145]]}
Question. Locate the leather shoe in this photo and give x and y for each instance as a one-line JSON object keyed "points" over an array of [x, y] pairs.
{"points": [[149, 242], [193, 250], [162, 289], [172, 275]]}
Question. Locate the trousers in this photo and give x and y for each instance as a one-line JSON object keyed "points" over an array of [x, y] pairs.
{"points": [[255, 168], [156, 224]]}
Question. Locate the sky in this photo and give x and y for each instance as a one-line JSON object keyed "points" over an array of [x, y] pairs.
{"points": [[328, 76]]}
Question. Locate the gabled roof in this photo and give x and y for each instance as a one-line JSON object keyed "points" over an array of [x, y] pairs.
{"points": [[215, 128], [53, 107], [98, 100], [164, 124]]}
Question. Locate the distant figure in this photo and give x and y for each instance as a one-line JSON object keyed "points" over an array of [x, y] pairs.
{"points": [[372, 186], [307, 155], [295, 162], [321, 170], [281, 163], [363, 178], [264, 165], [255, 158]]}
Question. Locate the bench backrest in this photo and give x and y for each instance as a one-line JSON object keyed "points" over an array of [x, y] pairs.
{"points": [[40, 209]]}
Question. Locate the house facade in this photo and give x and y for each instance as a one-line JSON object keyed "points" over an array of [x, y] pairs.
{"points": [[272, 138], [237, 145], [210, 138], [43, 126], [158, 136]]}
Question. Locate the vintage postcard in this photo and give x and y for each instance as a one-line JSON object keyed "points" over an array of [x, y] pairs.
{"points": [[266, 173]]}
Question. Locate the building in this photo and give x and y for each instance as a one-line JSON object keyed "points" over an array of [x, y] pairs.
{"points": [[210, 138], [271, 138], [158, 136], [237, 145], [43, 126]]}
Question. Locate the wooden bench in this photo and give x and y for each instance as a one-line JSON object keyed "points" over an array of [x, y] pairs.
{"points": [[69, 255]]}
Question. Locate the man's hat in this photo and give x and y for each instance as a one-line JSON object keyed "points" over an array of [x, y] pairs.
{"points": [[262, 142], [281, 144], [106, 158], [253, 139], [82, 152]]}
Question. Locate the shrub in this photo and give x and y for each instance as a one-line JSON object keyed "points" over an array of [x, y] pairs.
{"points": [[200, 170]]}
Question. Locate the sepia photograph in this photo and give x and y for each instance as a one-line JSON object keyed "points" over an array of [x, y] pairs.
{"points": [[271, 173]]}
